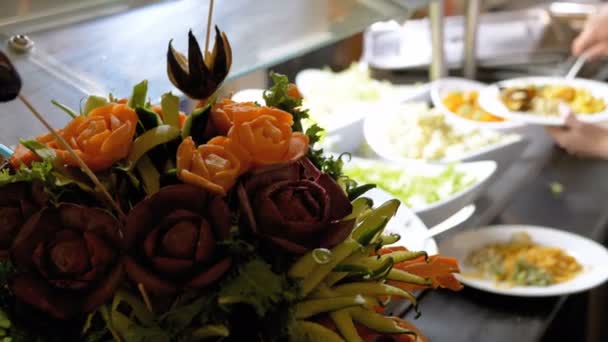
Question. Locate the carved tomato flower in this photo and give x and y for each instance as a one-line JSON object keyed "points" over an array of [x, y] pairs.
{"points": [[295, 206], [67, 260], [171, 240]]}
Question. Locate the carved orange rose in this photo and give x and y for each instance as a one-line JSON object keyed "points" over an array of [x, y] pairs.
{"points": [[266, 133], [210, 166], [101, 138]]}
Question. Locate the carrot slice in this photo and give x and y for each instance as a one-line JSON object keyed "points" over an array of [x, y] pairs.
{"points": [[439, 268]]}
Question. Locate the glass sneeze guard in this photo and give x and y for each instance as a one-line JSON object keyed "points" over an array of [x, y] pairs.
{"points": [[112, 53]]}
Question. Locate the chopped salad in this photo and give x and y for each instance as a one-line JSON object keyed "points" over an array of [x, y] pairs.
{"points": [[414, 190]]}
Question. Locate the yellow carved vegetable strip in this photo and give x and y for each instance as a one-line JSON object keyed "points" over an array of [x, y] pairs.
{"points": [[313, 307], [304, 331], [377, 322], [344, 324]]}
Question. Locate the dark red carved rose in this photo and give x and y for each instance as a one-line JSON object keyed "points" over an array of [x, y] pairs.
{"points": [[67, 260], [18, 201], [171, 239], [295, 206]]}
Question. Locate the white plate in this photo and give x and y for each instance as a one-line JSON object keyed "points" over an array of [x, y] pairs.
{"points": [[489, 99], [591, 255], [405, 223], [441, 88], [504, 153], [435, 213]]}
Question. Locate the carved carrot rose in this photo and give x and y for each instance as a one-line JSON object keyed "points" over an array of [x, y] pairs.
{"points": [[266, 134], [214, 167], [101, 138]]}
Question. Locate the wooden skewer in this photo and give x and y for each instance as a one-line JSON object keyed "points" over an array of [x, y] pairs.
{"points": [[208, 26], [79, 160]]}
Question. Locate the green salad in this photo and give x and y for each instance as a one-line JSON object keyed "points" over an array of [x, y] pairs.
{"points": [[415, 190]]}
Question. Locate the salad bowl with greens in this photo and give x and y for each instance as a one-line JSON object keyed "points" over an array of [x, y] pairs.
{"points": [[434, 192]]}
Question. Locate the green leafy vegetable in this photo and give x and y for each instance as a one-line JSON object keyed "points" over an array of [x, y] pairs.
{"points": [[93, 102], [149, 175], [182, 315], [138, 97], [150, 139], [414, 190], [170, 106], [197, 122], [147, 119], [39, 149], [257, 286], [69, 111], [278, 96], [39, 171]]}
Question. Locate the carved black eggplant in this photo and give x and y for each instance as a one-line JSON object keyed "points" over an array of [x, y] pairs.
{"points": [[200, 76], [10, 82]]}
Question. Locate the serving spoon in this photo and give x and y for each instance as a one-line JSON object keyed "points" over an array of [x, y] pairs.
{"points": [[453, 221]]}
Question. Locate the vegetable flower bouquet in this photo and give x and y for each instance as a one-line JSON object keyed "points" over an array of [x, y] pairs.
{"points": [[226, 224]]}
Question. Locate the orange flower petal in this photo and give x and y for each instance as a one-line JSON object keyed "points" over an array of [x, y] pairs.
{"points": [[184, 154], [117, 146], [298, 146], [198, 166], [190, 178]]}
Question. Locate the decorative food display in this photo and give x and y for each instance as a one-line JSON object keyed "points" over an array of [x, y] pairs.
{"points": [[225, 224], [521, 262], [415, 131], [547, 99], [414, 190], [465, 104]]}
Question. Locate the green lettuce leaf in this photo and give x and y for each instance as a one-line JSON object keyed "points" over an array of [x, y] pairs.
{"points": [[255, 285], [278, 96]]}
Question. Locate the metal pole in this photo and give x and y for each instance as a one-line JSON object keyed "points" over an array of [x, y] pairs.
{"points": [[472, 11], [438, 68]]}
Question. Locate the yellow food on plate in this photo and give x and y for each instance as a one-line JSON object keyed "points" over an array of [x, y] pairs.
{"points": [[521, 262], [546, 99], [465, 104]]}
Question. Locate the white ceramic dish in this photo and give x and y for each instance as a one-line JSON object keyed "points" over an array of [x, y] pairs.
{"points": [[441, 88], [407, 224], [503, 153], [489, 99], [435, 213], [593, 257]]}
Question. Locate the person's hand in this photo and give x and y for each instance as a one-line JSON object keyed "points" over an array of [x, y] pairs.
{"points": [[593, 40], [581, 138]]}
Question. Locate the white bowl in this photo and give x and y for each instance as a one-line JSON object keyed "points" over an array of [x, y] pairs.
{"points": [[441, 88], [489, 99], [504, 152], [437, 212], [590, 254]]}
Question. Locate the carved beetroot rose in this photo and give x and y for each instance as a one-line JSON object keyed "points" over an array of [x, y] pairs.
{"points": [[67, 260], [171, 239], [295, 206], [18, 201]]}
